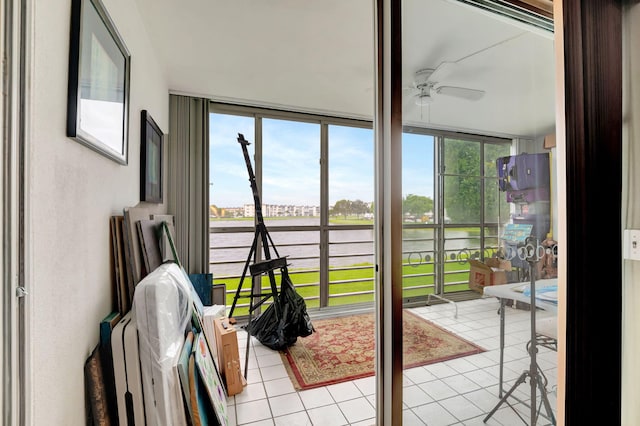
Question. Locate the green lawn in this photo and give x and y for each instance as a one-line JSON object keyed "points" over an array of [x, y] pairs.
{"points": [[358, 278]]}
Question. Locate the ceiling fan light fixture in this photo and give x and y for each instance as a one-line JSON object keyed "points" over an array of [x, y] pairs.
{"points": [[423, 99], [422, 77]]}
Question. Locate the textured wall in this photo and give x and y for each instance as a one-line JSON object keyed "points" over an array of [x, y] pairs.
{"points": [[72, 191]]}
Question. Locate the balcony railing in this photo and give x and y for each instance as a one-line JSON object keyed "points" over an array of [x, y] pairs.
{"points": [[350, 260]]}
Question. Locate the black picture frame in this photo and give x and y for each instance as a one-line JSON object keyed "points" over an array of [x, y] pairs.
{"points": [[98, 91], [150, 159]]}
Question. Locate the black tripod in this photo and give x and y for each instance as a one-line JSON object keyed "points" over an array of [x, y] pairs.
{"points": [[267, 265], [534, 373]]}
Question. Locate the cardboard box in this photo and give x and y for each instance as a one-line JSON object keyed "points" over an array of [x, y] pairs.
{"points": [[228, 356], [482, 274], [494, 262], [549, 141]]}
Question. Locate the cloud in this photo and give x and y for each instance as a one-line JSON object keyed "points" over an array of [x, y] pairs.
{"points": [[291, 162]]}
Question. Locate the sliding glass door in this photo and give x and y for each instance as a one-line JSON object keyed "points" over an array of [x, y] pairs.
{"points": [[476, 82]]}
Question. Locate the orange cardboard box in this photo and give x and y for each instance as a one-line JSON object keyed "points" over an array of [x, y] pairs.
{"points": [[482, 274], [228, 356]]}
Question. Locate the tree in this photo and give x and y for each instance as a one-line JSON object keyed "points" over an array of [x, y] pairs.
{"points": [[359, 207], [462, 190], [416, 205], [342, 207], [464, 184]]}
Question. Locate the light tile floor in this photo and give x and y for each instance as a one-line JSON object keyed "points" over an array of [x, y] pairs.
{"points": [[456, 392]]}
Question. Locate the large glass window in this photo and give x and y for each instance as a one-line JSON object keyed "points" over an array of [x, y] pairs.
{"points": [[350, 199], [462, 181], [452, 209], [231, 223], [474, 209], [315, 181], [229, 189], [290, 172], [419, 214], [290, 176], [350, 175]]}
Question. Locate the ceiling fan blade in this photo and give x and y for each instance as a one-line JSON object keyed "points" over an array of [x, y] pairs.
{"points": [[442, 71], [461, 92]]}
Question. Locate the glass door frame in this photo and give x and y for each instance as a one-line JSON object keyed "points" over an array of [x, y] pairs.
{"points": [[588, 46]]}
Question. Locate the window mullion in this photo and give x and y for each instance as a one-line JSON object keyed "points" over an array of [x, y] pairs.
{"points": [[483, 188], [440, 256], [324, 214]]}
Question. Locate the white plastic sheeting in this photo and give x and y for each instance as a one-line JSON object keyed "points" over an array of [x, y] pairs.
{"points": [[162, 307]]}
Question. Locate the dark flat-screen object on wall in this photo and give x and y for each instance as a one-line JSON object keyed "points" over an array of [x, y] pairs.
{"points": [[150, 160]]}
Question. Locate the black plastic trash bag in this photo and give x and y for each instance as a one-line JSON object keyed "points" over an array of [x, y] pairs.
{"points": [[286, 319]]}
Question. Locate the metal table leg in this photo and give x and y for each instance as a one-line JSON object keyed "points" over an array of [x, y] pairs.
{"points": [[501, 310], [444, 299]]}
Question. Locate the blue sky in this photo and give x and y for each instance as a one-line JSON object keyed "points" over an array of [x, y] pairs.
{"points": [[291, 162], [417, 165]]}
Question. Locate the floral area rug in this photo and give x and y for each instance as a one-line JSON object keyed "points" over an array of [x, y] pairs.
{"points": [[342, 349]]}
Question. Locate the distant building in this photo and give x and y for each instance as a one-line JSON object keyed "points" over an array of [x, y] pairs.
{"points": [[282, 210], [226, 211]]}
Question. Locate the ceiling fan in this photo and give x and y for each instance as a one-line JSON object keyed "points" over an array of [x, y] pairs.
{"points": [[427, 83], [427, 80]]}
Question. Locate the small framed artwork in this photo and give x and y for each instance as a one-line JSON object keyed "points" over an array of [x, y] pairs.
{"points": [[98, 91], [150, 160]]}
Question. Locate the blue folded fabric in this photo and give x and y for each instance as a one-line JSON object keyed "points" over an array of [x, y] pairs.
{"points": [[546, 293]]}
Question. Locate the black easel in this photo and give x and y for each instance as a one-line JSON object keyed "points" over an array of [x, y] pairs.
{"points": [[267, 265], [534, 373]]}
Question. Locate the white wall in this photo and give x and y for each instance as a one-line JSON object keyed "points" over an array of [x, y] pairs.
{"points": [[631, 216], [72, 191]]}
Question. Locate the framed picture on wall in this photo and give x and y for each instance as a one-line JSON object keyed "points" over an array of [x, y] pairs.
{"points": [[150, 160], [98, 91]]}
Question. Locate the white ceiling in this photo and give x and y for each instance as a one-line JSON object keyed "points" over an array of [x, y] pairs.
{"points": [[318, 56]]}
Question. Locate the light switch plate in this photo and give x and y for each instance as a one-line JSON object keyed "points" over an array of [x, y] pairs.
{"points": [[631, 244]]}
